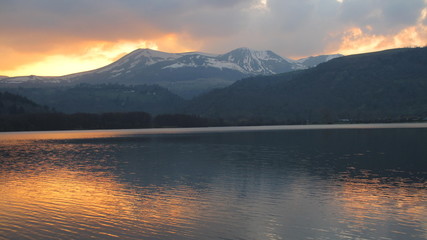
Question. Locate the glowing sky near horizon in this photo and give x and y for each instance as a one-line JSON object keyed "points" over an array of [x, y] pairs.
{"points": [[48, 37]]}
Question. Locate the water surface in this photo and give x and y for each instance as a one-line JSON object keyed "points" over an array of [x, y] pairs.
{"points": [[283, 182]]}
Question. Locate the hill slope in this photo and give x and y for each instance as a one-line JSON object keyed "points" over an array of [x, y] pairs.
{"points": [[11, 104], [367, 87]]}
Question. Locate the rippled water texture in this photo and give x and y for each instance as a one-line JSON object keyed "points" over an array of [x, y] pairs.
{"points": [[228, 183]]}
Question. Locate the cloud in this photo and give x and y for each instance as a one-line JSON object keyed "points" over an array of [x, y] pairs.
{"points": [[35, 29]]}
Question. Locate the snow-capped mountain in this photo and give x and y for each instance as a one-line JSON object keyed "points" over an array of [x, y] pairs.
{"points": [[242, 60], [257, 62], [140, 58], [183, 73]]}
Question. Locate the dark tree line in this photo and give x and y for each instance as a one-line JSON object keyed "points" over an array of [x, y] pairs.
{"points": [[180, 120], [61, 121], [80, 121]]}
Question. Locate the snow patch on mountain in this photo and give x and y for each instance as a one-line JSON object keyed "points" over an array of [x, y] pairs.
{"points": [[244, 60], [222, 64], [31, 78], [204, 61]]}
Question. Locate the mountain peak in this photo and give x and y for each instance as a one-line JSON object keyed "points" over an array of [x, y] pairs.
{"points": [[139, 57], [153, 55], [256, 61], [243, 49], [249, 51]]}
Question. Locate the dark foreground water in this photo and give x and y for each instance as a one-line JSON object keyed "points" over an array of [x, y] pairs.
{"points": [[306, 182]]}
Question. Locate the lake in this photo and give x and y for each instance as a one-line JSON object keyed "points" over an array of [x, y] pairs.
{"points": [[364, 181]]}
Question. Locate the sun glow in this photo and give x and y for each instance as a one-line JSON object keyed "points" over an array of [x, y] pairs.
{"points": [[261, 5], [91, 55], [94, 55]]}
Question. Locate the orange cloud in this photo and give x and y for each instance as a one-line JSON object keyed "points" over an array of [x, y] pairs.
{"points": [[83, 55], [355, 40], [174, 43]]}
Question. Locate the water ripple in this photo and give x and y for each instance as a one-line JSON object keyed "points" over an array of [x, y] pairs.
{"points": [[263, 185]]}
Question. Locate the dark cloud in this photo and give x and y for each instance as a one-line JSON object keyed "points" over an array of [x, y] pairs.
{"points": [[110, 20], [304, 27], [384, 16], [402, 13]]}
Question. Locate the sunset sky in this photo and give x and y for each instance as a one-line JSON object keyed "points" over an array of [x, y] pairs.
{"points": [[58, 37]]}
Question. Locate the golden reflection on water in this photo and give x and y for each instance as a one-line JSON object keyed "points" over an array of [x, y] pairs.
{"points": [[61, 189], [367, 200], [87, 204], [73, 134], [6, 136]]}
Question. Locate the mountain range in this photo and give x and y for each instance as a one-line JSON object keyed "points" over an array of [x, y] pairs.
{"points": [[382, 86], [385, 86], [186, 74]]}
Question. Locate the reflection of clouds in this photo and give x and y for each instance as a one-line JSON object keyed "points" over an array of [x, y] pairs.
{"points": [[12, 138], [77, 203]]}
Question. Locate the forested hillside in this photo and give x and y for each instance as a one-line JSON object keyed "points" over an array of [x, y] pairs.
{"points": [[104, 98], [14, 104]]}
